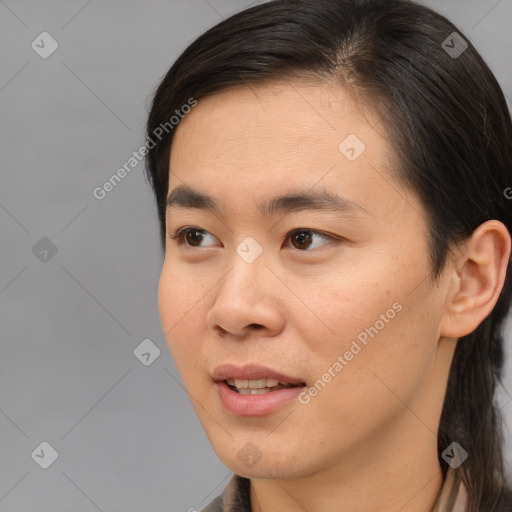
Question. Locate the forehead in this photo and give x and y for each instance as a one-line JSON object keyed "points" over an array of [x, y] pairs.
{"points": [[290, 115], [260, 140]]}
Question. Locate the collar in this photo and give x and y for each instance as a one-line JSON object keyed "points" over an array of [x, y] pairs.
{"points": [[236, 496]]}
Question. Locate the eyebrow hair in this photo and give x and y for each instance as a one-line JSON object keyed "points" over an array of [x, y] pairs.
{"points": [[185, 196]]}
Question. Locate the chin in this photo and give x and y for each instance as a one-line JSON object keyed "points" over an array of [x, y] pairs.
{"points": [[251, 462]]}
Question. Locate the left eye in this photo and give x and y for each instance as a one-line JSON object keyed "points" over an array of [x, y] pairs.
{"points": [[299, 238], [304, 238]]}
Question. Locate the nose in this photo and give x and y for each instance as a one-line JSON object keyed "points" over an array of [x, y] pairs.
{"points": [[247, 300]]}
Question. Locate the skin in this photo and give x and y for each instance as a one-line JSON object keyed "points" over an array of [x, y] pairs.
{"points": [[367, 440]]}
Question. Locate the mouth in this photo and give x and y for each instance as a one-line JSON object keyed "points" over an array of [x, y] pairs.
{"points": [[258, 386], [245, 379], [252, 390]]}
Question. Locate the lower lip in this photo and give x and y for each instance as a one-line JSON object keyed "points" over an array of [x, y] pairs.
{"points": [[255, 405]]}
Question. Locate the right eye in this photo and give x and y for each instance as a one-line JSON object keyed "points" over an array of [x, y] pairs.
{"points": [[191, 235]]}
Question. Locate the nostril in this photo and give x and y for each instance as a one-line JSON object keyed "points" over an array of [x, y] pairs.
{"points": [[220, 330]]}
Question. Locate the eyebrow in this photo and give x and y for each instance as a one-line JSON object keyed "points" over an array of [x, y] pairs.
{"points": [[185, 196]]}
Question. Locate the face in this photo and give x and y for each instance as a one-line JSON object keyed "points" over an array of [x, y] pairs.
{"points": [[322, 307]]}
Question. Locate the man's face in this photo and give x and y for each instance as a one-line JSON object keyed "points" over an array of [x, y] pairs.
{"points": [[336, 303]]}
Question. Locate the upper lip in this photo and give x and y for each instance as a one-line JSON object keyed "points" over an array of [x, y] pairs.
{"points": [[251, 372]]}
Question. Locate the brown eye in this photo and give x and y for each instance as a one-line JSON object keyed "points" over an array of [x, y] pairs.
{"points": [[304, 238], [193, 237]]}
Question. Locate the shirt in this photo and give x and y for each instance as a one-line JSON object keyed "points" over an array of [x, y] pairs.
{"points": [[236, 497]]}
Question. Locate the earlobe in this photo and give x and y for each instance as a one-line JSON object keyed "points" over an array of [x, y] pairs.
{"points": [[478, 278]]}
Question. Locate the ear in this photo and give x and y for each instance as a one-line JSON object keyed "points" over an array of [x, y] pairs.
{"points": [[477, 278]]}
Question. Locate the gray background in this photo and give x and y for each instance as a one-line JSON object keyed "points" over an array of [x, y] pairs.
{"points": [[126, 435]]}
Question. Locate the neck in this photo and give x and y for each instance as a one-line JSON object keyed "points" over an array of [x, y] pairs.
{"points": [[398, 477]]}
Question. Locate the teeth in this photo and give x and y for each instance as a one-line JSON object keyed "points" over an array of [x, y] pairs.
{"points": [[255, 384], [253, 391]]}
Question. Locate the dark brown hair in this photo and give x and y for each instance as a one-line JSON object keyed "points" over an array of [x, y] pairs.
{"points": [[452, 132]]}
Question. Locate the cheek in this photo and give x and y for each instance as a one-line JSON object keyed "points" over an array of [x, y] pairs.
{"points": [[392, 364], [372, 386], [182, 313], [383, 345], [346, 310], [181, 295], [167, 299]]}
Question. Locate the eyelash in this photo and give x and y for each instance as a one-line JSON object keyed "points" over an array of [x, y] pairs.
{"points": [[181, 233]]}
